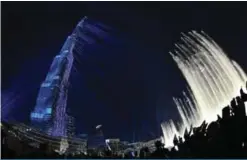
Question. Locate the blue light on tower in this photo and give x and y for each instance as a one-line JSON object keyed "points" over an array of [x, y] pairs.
{"points": [[48, 110], [37, 115]]}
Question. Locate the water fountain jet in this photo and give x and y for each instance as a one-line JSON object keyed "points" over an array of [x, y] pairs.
{"points": [[213, 80]]}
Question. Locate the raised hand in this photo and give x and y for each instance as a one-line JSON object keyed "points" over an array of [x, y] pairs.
{"points": [[243, 95], [233, 103], [175, 140]]}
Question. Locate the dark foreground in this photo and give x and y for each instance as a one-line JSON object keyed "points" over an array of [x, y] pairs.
{"points": [[224, 138]]}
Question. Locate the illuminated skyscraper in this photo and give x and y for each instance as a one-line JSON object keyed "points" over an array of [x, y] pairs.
{"points": [[50, 111], [49, 114]]}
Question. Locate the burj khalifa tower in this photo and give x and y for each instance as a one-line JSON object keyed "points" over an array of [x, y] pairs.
{"points": [[50, 112]]}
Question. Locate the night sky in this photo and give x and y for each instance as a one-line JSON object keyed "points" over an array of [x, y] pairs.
{"points": [[126, 84]]}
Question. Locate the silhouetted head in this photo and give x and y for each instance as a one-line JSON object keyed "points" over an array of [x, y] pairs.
{"points": [[175, 140], [233, 103], [195, 130], [226, 112], [243, 95], [180, 140], [146, 149], [158, 144], [212, 129]]}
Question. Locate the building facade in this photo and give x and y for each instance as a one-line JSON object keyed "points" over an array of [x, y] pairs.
{"points": [[49, 114], [70, 126]]}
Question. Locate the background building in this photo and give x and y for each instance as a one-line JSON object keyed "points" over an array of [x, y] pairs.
{"points": [[96, 139]]}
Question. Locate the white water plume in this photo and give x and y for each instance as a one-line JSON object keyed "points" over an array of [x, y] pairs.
{"points": [[213, 80]]}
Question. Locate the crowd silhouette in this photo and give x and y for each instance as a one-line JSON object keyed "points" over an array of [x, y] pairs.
{"points": [[224, 138]]}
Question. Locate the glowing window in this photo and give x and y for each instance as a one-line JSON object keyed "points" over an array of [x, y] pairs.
{"points": [[45, 84], [56, 77], [48, 110]]}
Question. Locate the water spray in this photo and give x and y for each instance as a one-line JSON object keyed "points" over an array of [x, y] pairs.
{"points": [[213, 80]]}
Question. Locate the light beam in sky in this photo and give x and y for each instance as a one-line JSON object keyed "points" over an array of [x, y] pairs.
{"points": [[213, 80]]}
